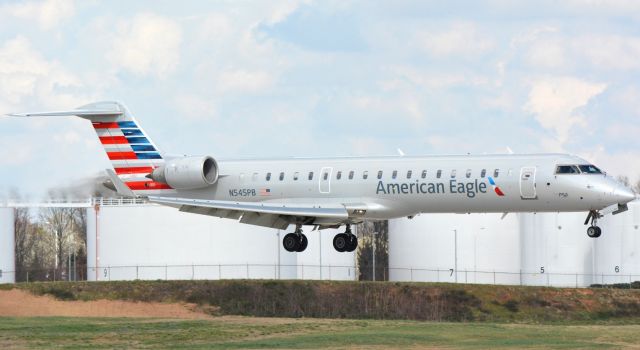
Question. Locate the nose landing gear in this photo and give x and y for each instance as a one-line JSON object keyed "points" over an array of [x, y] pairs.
{"points": [[594, 230], [295, 241], [345, 242]]}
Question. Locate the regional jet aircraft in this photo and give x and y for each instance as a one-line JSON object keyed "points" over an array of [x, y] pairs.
{"points": [[332, 192]]}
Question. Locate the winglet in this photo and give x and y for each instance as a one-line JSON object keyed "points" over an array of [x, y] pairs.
{"points": [[121, 188]]}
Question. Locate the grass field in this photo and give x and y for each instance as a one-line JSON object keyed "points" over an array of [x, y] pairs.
{"points": [[249, 332]]}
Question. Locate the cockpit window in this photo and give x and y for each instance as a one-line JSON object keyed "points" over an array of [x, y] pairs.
{"points": [[589, 169], [567, 169]]}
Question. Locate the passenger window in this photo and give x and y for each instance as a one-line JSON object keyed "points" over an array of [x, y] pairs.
{"points": [[394, 174], [268, 177], [351, 175], [365, 174], [453, 173], [325, 176], [567, 169], [379, 174], [295, 176], [483, 173], [338, 175], [281, 176], [409, 174], [424, 174], [254, 177], [439, 174], [310, 175], [496, 173], [468, 173]]}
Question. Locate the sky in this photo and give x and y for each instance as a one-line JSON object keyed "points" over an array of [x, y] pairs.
{"points": [[250, 79]]}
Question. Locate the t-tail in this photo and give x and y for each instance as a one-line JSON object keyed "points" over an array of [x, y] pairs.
{"points": [[131, 151]]}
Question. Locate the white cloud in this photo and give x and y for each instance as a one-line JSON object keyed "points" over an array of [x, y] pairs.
{"points": [[48, 14], [240, 80], [148, 44], [25, 74], [461, 39], [554, 103], [195, 108]]}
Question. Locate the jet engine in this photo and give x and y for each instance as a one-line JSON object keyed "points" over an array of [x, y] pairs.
{"points": [[187, 173]]}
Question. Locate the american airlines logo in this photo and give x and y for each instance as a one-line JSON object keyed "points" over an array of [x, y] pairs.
{"points": [[470, 189]]}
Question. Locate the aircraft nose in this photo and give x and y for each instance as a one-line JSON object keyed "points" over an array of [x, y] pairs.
{"points": [[623, 194]]}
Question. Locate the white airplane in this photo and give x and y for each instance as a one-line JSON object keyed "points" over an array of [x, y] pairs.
{"points": [[331, 192]]}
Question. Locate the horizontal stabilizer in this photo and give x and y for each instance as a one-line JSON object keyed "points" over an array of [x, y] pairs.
{"points": [[76, 112]]}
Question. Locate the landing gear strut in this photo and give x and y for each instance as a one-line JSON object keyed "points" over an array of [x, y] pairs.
{"points": [[593, 231], [345, 242], [295, 241]]}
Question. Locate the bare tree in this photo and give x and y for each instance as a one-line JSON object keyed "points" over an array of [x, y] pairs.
{"points": [[624, 179], [24, 241], [60, 223], [373, 234]]}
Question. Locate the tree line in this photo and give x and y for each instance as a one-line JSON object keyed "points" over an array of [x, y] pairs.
{"points": [[50, 244]]}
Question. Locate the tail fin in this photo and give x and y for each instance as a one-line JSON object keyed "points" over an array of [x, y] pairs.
{"points": [[131, 151]]}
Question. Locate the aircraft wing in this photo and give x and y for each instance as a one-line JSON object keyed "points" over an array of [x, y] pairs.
{"points": [[275, 215]]}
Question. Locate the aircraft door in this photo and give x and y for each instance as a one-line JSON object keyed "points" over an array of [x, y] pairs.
{"points": [[324, 182], [528, 183]]}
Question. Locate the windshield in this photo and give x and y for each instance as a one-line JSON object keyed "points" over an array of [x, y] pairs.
{"points": [[589, 169], [567, 169]]}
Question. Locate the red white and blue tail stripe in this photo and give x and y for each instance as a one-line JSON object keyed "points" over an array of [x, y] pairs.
{"points": [[131, 152]]}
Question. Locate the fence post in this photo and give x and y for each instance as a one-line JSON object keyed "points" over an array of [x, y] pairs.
{"points": [[193, 272], [165, 272], [548, 284], [465, 277], [109, 271], [27, 276], [137, 272], [329, 272], [411, 274], [247, 270], [494, 277], [576, 280], [302, 271], [520, 277], [219, 272]]}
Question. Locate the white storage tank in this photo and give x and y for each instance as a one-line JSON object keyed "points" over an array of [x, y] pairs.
{"points": [[617, 251], [556, 250], [7, 246], [146, 241], [424, 248]]}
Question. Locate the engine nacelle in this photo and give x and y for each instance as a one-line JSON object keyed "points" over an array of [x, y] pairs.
{"points": [[187, 173]]}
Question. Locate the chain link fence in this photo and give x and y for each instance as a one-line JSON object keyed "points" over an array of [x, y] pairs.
{"points": [[317, 272]]}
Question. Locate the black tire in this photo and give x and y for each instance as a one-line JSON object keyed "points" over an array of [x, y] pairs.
{"points": [[592, 231], [302, 243], [598, 231], [291, 242], [353, 242], [340, 242]]}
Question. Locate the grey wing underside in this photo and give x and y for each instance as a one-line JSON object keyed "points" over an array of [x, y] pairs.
{"points": [[272, 215]]}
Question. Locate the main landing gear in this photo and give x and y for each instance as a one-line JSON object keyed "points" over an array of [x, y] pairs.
{"points": [[295, 241], [345, 242], [594, 230]]}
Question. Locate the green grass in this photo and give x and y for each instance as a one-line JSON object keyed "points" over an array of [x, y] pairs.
{"points": [[257, 333]]}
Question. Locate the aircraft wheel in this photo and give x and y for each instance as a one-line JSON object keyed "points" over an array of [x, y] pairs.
{"points": [[340, 242], [352, 242], [302, 243], [594, 231], [291, 242]]}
